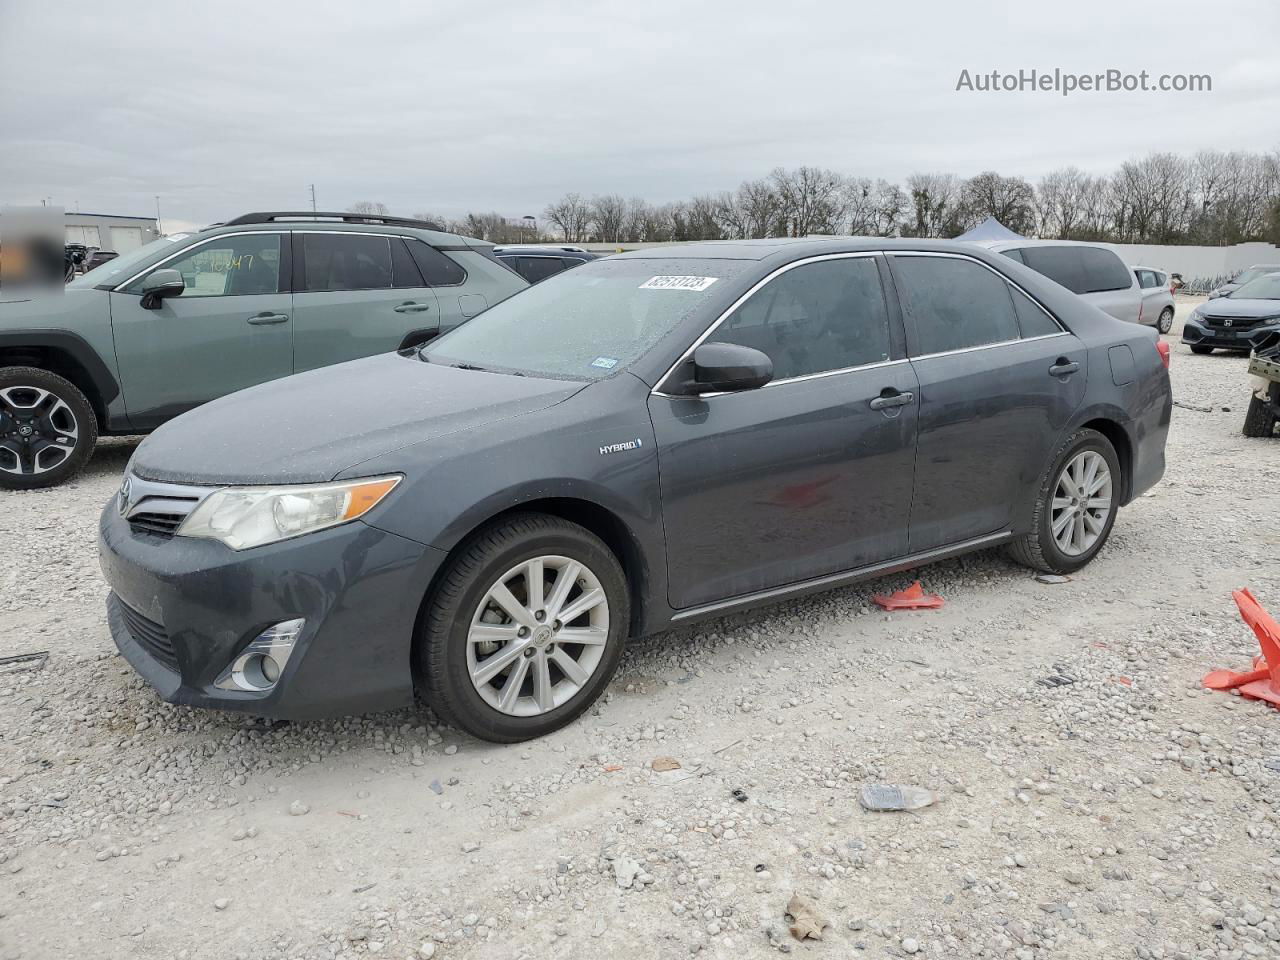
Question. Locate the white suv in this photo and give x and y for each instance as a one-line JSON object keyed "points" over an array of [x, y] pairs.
{"points": [[1093, 271]]}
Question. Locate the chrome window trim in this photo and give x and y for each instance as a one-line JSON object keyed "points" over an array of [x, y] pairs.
{"points": [[988, 346], [188, 248], [656, 391]]}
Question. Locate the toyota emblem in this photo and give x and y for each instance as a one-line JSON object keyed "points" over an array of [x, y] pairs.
{"points": [[124, 496]]}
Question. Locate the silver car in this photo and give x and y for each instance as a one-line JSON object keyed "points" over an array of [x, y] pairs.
{"points": [[1157, 298], [1243, 277], [1093, 271]]}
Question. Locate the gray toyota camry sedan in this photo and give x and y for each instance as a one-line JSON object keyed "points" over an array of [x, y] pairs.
{"points": [[637, 443]]}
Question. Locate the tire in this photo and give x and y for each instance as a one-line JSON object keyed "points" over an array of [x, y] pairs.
{"points": [[1165, 321], [42, 412], [1040, 549], [1196, 348], [445, 655], [1260, 418]]}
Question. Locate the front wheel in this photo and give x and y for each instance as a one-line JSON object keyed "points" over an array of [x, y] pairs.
{"points": [[47, 428], [1165, 323], [524, 630], [1075, 508], [1196, 348]]}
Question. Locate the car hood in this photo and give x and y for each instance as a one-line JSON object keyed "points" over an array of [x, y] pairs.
{"points": [[310, 427], [1233, 307], [48, 307]]}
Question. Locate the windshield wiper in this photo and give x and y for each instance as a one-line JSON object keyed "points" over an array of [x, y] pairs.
{"points": [[472, 366]]}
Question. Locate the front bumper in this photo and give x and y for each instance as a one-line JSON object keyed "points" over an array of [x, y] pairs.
{"points": [[1199, 334], [182, 608]]}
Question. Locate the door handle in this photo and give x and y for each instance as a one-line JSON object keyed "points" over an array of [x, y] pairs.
{"points": [[410, 307], [1063, 368], [259, 319], [894, 399]]}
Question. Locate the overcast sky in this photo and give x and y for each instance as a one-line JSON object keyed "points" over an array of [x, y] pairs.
{"points": [[444, 107]]}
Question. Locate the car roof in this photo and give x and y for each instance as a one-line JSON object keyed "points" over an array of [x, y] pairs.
{"points": [[793, 246], [351, 222], [546, 249], [999, 245], [1138, 266]]}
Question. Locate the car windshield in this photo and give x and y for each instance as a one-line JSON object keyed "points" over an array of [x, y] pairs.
{"points": [[1253, 273], [121, 267], [585, 323], [1266, 287]]}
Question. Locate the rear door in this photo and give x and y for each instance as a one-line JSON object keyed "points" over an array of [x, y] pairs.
{"points": [[808, 475], [999, 379], [230, 329], [357, 294], [458, 298]]}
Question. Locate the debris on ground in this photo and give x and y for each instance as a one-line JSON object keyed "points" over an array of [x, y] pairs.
{"points": [[892, 796], [24, 661], [912, 598], [1263, 681], [806, 922], [1056, 680], [1192, 406], [1052, 578], [663, 764], [739, 794]]}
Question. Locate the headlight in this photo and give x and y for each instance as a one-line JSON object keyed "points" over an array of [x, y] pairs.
{"points": [[1197, 313], [243, 517]]}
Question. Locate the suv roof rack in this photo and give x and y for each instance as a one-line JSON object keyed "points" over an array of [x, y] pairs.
{"points": [[270, 216]]}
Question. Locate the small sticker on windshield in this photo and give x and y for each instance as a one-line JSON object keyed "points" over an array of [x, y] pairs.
{"points": [[678, 283], [175, 237], [604, 363]]}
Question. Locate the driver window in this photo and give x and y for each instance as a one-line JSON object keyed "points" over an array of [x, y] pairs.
{"points": [[230, 266], [828, 315]]}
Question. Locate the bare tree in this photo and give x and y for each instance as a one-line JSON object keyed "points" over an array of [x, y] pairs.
{"points": [[572, 215], [1011, 200], [370, 207], [811, 199], [609, 217], [1061, 203], [935, 204]]}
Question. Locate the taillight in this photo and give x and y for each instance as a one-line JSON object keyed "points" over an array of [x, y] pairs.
{"points": [[1162, 348]]}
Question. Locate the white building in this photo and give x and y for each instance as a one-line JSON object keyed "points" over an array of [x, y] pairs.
{"points": [[108, 232]]}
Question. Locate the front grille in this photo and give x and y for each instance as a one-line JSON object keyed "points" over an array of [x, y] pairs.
{"points": [[162, 524], [151, 636], [1232, 323]]}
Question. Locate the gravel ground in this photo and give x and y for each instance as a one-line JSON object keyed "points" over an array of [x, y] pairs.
{"points": [[1127, 813]]}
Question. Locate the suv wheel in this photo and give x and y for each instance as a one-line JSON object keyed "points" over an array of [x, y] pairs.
{"points": [[524, 630], [1165, 323], [47, 428], [1076, 506], [1260, 419]]}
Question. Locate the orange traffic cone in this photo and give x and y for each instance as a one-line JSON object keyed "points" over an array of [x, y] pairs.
{"points": [[1263, 681]]}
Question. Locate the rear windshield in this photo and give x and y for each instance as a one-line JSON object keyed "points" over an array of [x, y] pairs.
{"points": [[588, 322], [1253, 273]]}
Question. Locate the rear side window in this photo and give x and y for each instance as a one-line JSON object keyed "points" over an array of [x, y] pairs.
{"points": [[404, 272], [1033, 321], [534, 269], [437, 269], [953, 303], [1103, 270], [1014, 255], [345, 262], [1060, 264]]}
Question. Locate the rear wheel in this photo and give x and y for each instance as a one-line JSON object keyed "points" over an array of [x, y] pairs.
{"points": [[1260, 418], [47, 428], [525, 629], [1165, 323], [1075, 508], [1196, 348]]}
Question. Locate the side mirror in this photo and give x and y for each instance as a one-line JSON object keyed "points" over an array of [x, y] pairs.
{"points": [[160, 284], [725, 367]]}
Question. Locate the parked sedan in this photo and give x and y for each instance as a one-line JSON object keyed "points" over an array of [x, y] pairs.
{"points": [[1239, 321], [1157, 298], [536, 262], [637, 443], [1243, 277]]}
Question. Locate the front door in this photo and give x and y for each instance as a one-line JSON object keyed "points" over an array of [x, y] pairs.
{"points": [[357, 294], [809, 475], [231, 328], [999, 380]]}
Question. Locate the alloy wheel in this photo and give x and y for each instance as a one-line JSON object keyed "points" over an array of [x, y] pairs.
{"points": [[538, 636], [38, 431], [1081, 503], [1165, 323]]}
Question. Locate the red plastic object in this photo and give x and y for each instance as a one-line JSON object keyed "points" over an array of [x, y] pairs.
{"points": [[912, 598], [1162, 348], [1263, 681]]}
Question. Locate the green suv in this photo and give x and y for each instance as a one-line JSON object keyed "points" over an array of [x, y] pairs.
{"points": [[191, 317]]}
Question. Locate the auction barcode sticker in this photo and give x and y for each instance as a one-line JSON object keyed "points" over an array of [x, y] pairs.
{"points": [[678, 283]]}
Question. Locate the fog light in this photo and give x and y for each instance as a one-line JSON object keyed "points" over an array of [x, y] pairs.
{"points": [[258, 666]]}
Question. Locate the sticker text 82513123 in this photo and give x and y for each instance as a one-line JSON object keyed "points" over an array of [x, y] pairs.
{"points": [[693, 284]]}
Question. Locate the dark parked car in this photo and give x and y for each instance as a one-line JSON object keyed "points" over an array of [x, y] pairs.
{"points": [[1243, 277], [537, 262], [639, 442], [1238, 321]]}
